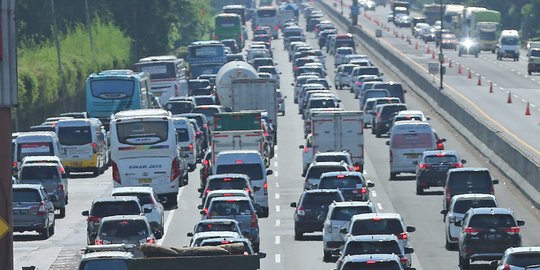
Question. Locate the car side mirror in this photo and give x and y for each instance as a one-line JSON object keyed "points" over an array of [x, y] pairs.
{"points": [[336, 252], [269, 172], [409, 250], [463, 161], [261, 255], [147, 210], [520, 222], [85, 213], [189, 234], [444, 212], [458, 223], [200, 206], [202, 212], [343, 230], [441, 140], [387, 143], [428, 118], [301, 146], [158, 234], [293, 204], [370, 184], [256, 188], [495, 181], [415, 162], [53, 197], [292, 84], [411, 229], [303, 174]]}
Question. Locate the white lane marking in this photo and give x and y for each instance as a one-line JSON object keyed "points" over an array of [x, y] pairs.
{"points": [[379, 205], [277, 258], [275, 155], [276, 173], [277, 184], [275, 148], [532, 105], [278, 208], [169, 220], [524, 100], [277, 196], [516, 96], [275, 163], [278, 222], [373, 193], [277, 240]]}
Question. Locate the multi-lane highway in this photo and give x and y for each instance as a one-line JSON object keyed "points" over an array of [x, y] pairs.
{"points": [[285, 186]]}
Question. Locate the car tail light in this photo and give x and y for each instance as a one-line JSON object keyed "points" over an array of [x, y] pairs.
{"points": [[363, 190], [424, 166], [62, 170], [190, 147], [116, 173], [265, 188], [404, 261], [150, 240], [371, 261], [14, 165], [277, 27], [306, 150], [207, 191], [99, 242], [301, 211], [295, 68], [440, 146], [205, 162], [175, 170], [358, 84], [512, 230], [471, 231], [254, 221], [403, 236], [60, 187], [94, 148], [94, 219], [41, 211], [456, 165], [248, 190]]}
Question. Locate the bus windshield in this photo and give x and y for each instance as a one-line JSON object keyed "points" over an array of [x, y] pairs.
{"points": [[266, 13], [142, 132], [112, 88], [157, 70], [227, 21], [206, 51]]}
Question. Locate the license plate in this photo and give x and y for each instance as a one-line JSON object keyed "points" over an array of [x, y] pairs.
{"points": [[145, 180], [494, 236]]}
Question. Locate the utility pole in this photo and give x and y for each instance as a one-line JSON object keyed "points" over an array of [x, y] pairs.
{"points": [[441, 55], [89, 25], [54, 28], [8, 99]]}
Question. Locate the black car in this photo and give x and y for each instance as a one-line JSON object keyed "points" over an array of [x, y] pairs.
{"points": [[433, 167], [312, 209], [486, 233], [384, 115], [179, 106], [199, 87], [395, 89], [467, 180], [231, 43], [353, 185]]}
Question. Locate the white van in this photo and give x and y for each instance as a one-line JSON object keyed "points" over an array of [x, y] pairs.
{"points": [[41, 143], [186, 140], [408, 140], [251, 163], [144, 152], [83, 146], [508, 46]]}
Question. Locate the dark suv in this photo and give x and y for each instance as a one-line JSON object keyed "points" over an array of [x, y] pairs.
{"points": [[384, 114], [467, 180], [486, 233], [312, 209], [433, 167]]}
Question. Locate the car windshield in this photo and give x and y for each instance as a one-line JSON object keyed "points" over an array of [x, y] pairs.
{"points": [[492, 221], [218, 226], [372, 247], [39, 172], [144, 198], [340, 182], [124, 228], [470, 182], [198, 84], [254, 171], [106, 209], [230, 208], [524, 259], [509, 41], [316, 171], [26, 195], [183, 134], [346, 213], [317, 199], [377, 226], [328, 158], [391, 265], [227, 183], [74, 135], [462, 206], [204, 101]]}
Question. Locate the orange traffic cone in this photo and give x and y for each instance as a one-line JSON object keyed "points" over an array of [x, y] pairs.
{"points": [[527, 109], [459, 70], [491, 87], [509, 100], [469, 75], [479, 83]]}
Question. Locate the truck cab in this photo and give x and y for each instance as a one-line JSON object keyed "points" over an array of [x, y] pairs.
{"points": [[508, 45], [534, 61]]}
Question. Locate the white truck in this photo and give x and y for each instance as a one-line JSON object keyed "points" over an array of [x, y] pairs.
{"points": [[339, 131]]}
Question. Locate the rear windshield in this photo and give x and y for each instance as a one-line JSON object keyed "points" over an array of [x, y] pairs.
{"points": [[524, 259], [39, 172], [316, 171], [222, 226], [254, 171], [319, 81], [463, 206], [144, 198], [389, 110], [372, 247], [179, 107], [391, 265], [157, 70], [336, 158], [441, 159], [395, 90], [198, 84], [26, 195], [322, 103], [369, 71], [377, 226], [105, 209], [412, 140], [343, 182], [320, 199], [231, 207], [34, 149], [470, 182], [346, 213], [74, 135], [227, 183], [124, 228], [491, 221], [142, 132], [266, 13], [348, 69], [183, 134], [292, 32]]}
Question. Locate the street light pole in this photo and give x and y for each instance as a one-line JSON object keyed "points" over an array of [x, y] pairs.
{"points": [[341, 4], [441, 56]]}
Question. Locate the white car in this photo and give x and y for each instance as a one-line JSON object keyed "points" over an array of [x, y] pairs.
{"points": [[197, 238], [339, 216], [343, 75], [148, 199], [520, 258], [341, 52], [281, 102], [273, 71], [459, 205]]}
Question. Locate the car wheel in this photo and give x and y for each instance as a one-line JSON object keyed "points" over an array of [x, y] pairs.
{"points": [[327, 256], [185, 180], [377, 134], [419, 190], [449, 246], [530, 73], [256, 247], [463, 262], [393, 176], [62, 212], [45, 233], [51, 229], [298, 235]]}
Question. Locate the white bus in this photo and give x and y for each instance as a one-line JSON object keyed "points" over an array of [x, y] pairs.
{"points": [[267, 16], [144, 152]]}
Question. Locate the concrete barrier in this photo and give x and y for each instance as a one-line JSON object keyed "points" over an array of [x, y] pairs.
{"points": [[516, 163]]}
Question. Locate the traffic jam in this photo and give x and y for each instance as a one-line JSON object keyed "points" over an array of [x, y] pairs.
{"points": [[217, 113]]}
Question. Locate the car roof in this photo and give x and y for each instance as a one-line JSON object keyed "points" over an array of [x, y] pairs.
{"points": [[117, 199], [370, 257], [333, 153], [490, 210], [232, 198], [41, 158], [27, 186], [225, 191], [345, 173], [216, 234], [44, 164], [372, 238], [352, 204], [468, 169], [133, 189], [218, 220], [514, 250], [310, 191], [444, 152], [376, 215], [327, 163], [123, 217], [463, 197], [107, 255]]}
